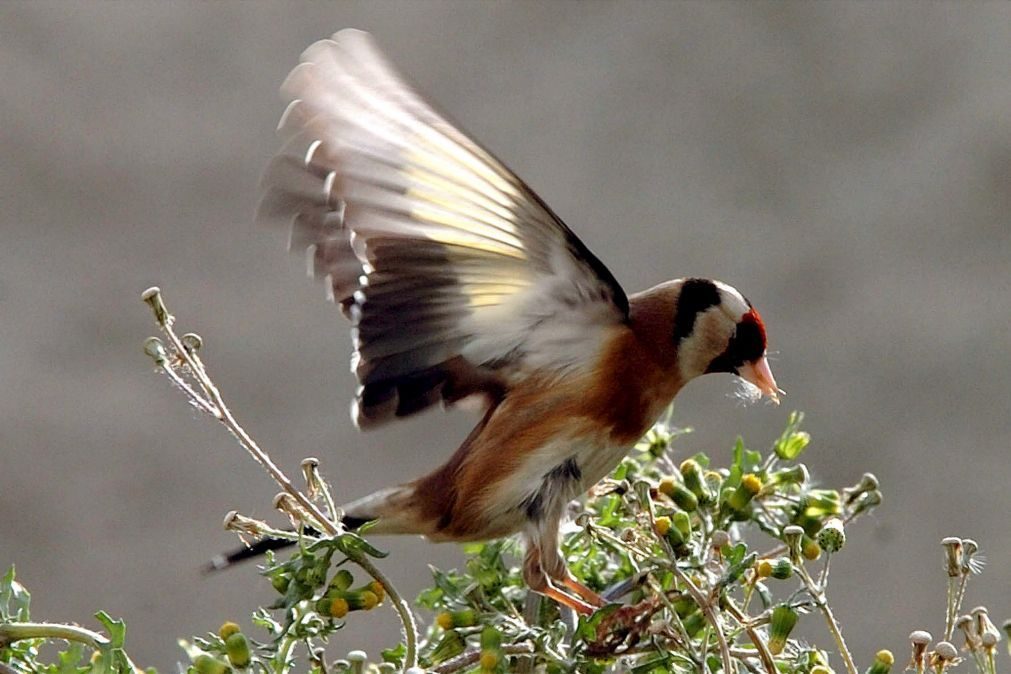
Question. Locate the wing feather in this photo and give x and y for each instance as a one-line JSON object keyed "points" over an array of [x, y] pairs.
{"points": [[457, 278]]}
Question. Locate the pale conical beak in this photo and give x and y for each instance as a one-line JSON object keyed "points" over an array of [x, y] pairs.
{"points": [[757, 372]]}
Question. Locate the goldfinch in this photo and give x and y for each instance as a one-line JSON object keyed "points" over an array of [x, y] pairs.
{"points": [[462, 285]]}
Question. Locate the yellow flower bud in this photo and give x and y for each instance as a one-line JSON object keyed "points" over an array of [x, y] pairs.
{"points": [[489, 660], [377, 589], [684, 498], [691, 473], [810, 549], [338, 608], [751, 483], [369, 600], [782, 568], [883, 661], [740, 498], [447, 620], [208, 664], [444, 620], [228, 629]]}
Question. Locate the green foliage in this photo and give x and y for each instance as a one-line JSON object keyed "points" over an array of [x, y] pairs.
{"points": [[85, 651], [706, 568]]}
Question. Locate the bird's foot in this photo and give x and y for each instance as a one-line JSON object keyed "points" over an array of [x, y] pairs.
{"points": [[622, 627]]}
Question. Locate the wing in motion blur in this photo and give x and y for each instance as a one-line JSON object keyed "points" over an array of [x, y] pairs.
{"points": [[456, 276]]}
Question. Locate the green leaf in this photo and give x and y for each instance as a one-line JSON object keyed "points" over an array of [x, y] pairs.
{"points": [[14, 599], [67, 661], [737, 466], [621, 472], [735, 554], [395, 655], [702, 459], [352, 545], [112, 657], [262, 618], [115, 628], [793, 441]]}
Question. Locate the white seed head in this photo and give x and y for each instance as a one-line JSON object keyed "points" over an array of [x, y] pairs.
{"points": [[946, 651]]}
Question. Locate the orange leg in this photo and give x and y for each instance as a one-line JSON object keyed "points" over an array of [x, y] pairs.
{"points": [[565, 599], [591, 597], [553, 564], [537, 577]]}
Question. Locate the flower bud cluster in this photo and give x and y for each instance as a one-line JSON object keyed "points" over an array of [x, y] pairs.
{"points": [[340, 598]]}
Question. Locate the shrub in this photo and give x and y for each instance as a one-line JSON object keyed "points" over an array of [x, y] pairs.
{"points": [[710, 567]]}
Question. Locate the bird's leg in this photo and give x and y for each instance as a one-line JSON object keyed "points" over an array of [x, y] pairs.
{"points": [[591, 597], [553, 565], [538, 581]]}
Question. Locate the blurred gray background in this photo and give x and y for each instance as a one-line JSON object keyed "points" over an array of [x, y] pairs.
{"points": [[847, 165]]}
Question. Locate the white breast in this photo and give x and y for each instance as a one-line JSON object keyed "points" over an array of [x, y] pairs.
{"points": [[594, 460]]}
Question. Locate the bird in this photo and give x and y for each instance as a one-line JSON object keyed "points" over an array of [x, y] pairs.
{"points": [[463, 288]]}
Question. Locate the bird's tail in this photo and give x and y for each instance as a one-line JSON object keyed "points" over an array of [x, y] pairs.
{"points": [[389, 508]]}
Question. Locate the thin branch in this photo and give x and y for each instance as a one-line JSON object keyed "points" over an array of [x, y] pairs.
{"points": [[217, 408], [188, 356], [11, 632], [749, 628], [707, 610], [470, 657], [399, 605], [818, 595]]}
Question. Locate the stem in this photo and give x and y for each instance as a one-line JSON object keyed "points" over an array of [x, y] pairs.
{"points": [[470, 657], [12, 632], [763, 649], [818, 595], [235, 428], [950, 612], [959, 596], [707, 610], [823, 577], [682, 633], [287, 643], [219, 410], [399, 605]]}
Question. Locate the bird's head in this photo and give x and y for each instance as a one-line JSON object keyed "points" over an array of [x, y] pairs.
{"points": [[717, 330]]}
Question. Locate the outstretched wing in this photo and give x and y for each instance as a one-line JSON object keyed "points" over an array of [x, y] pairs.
{"points": [[457, 278]]}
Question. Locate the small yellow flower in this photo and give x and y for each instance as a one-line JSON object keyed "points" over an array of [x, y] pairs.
{"points": [[339, 607], [228, 629]]}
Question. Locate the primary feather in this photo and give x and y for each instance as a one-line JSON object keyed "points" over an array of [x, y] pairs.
{"points": [[456, 276]]}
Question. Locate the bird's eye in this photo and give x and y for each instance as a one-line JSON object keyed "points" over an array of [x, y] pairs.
{"points": [[749, 339], [747, 344]]}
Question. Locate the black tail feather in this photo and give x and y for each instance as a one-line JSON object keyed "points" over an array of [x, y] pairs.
{"points": [[260, 548]]}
